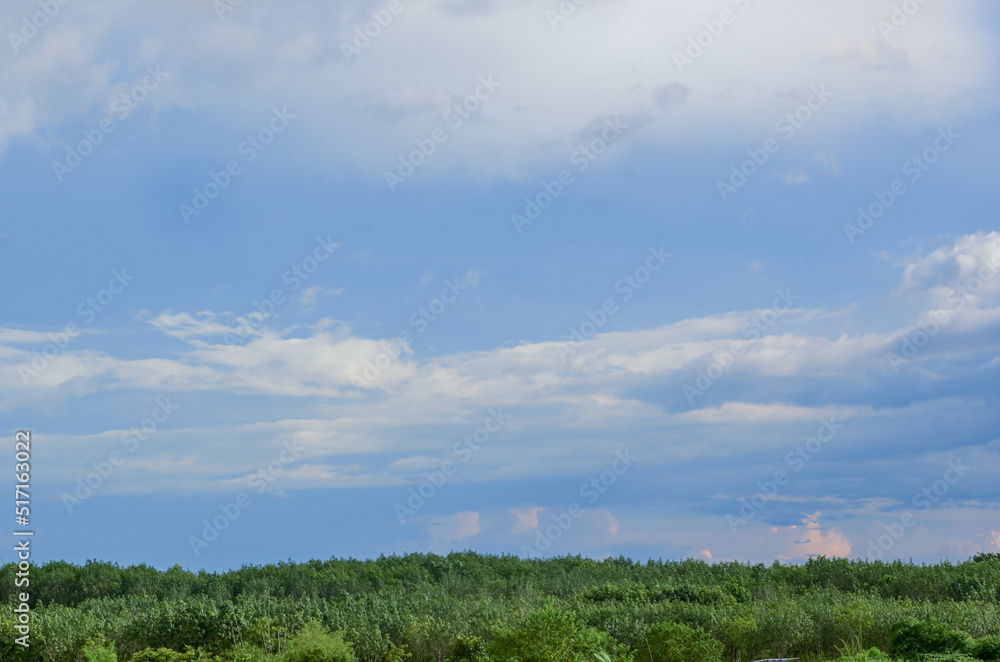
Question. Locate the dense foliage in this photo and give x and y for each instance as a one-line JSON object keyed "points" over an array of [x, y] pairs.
{"points": [[473, 608]]}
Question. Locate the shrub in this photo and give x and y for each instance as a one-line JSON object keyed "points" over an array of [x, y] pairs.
{"points": [[676, 642], [913, 639], [95, 651], [949, 657], [468, 649], [987, 648], [170, 655], [247, 653], [554, 635], [870, 655], [314, 643]]}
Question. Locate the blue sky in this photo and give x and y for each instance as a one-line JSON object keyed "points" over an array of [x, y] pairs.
{"points": [[784, 377]]}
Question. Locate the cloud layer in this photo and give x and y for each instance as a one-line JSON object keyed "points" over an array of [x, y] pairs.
{"points": [[720, 404]]}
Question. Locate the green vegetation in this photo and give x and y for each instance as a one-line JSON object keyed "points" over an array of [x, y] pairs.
{"points": [[313, 643], [472, 608], [676, 642]]}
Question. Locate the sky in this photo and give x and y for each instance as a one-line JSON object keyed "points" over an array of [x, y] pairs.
{"points": [[306, 280]]}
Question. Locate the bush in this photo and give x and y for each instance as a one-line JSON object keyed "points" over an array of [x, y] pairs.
{"points": [[870, 655], [170, 655], [949, 657], [676, 642], [314, 643], [913, 639], [987, 648], [158, 655], [99, 652], [468, 649], [247, 653], [554, 635]]}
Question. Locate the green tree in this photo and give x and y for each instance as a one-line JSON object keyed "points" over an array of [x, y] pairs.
{"points": [[676, 642], [468, 649], [554, 635], [170, 655], [913, 639], [314, 643], [99, 651]]}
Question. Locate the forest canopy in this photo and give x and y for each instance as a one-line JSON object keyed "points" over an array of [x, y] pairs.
{"points": [[468, 607]]}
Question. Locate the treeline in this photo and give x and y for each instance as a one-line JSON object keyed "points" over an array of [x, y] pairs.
{"points": [[468, 607]]}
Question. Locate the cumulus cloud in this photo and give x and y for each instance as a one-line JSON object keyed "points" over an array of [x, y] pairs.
{"points": [[816, 542], [526, 518], [969, 268]]}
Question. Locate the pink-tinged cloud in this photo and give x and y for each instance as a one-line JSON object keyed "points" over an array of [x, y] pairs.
{"points": [[527, 518], [454, 527], [816, 542]]}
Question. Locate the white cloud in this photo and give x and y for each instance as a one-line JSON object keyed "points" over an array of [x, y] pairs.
{"points": [[795, 176], [622, 387], [454, 527], [970, 267], [868, 54], [830, 163], [310, 295], [553, 84]]}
